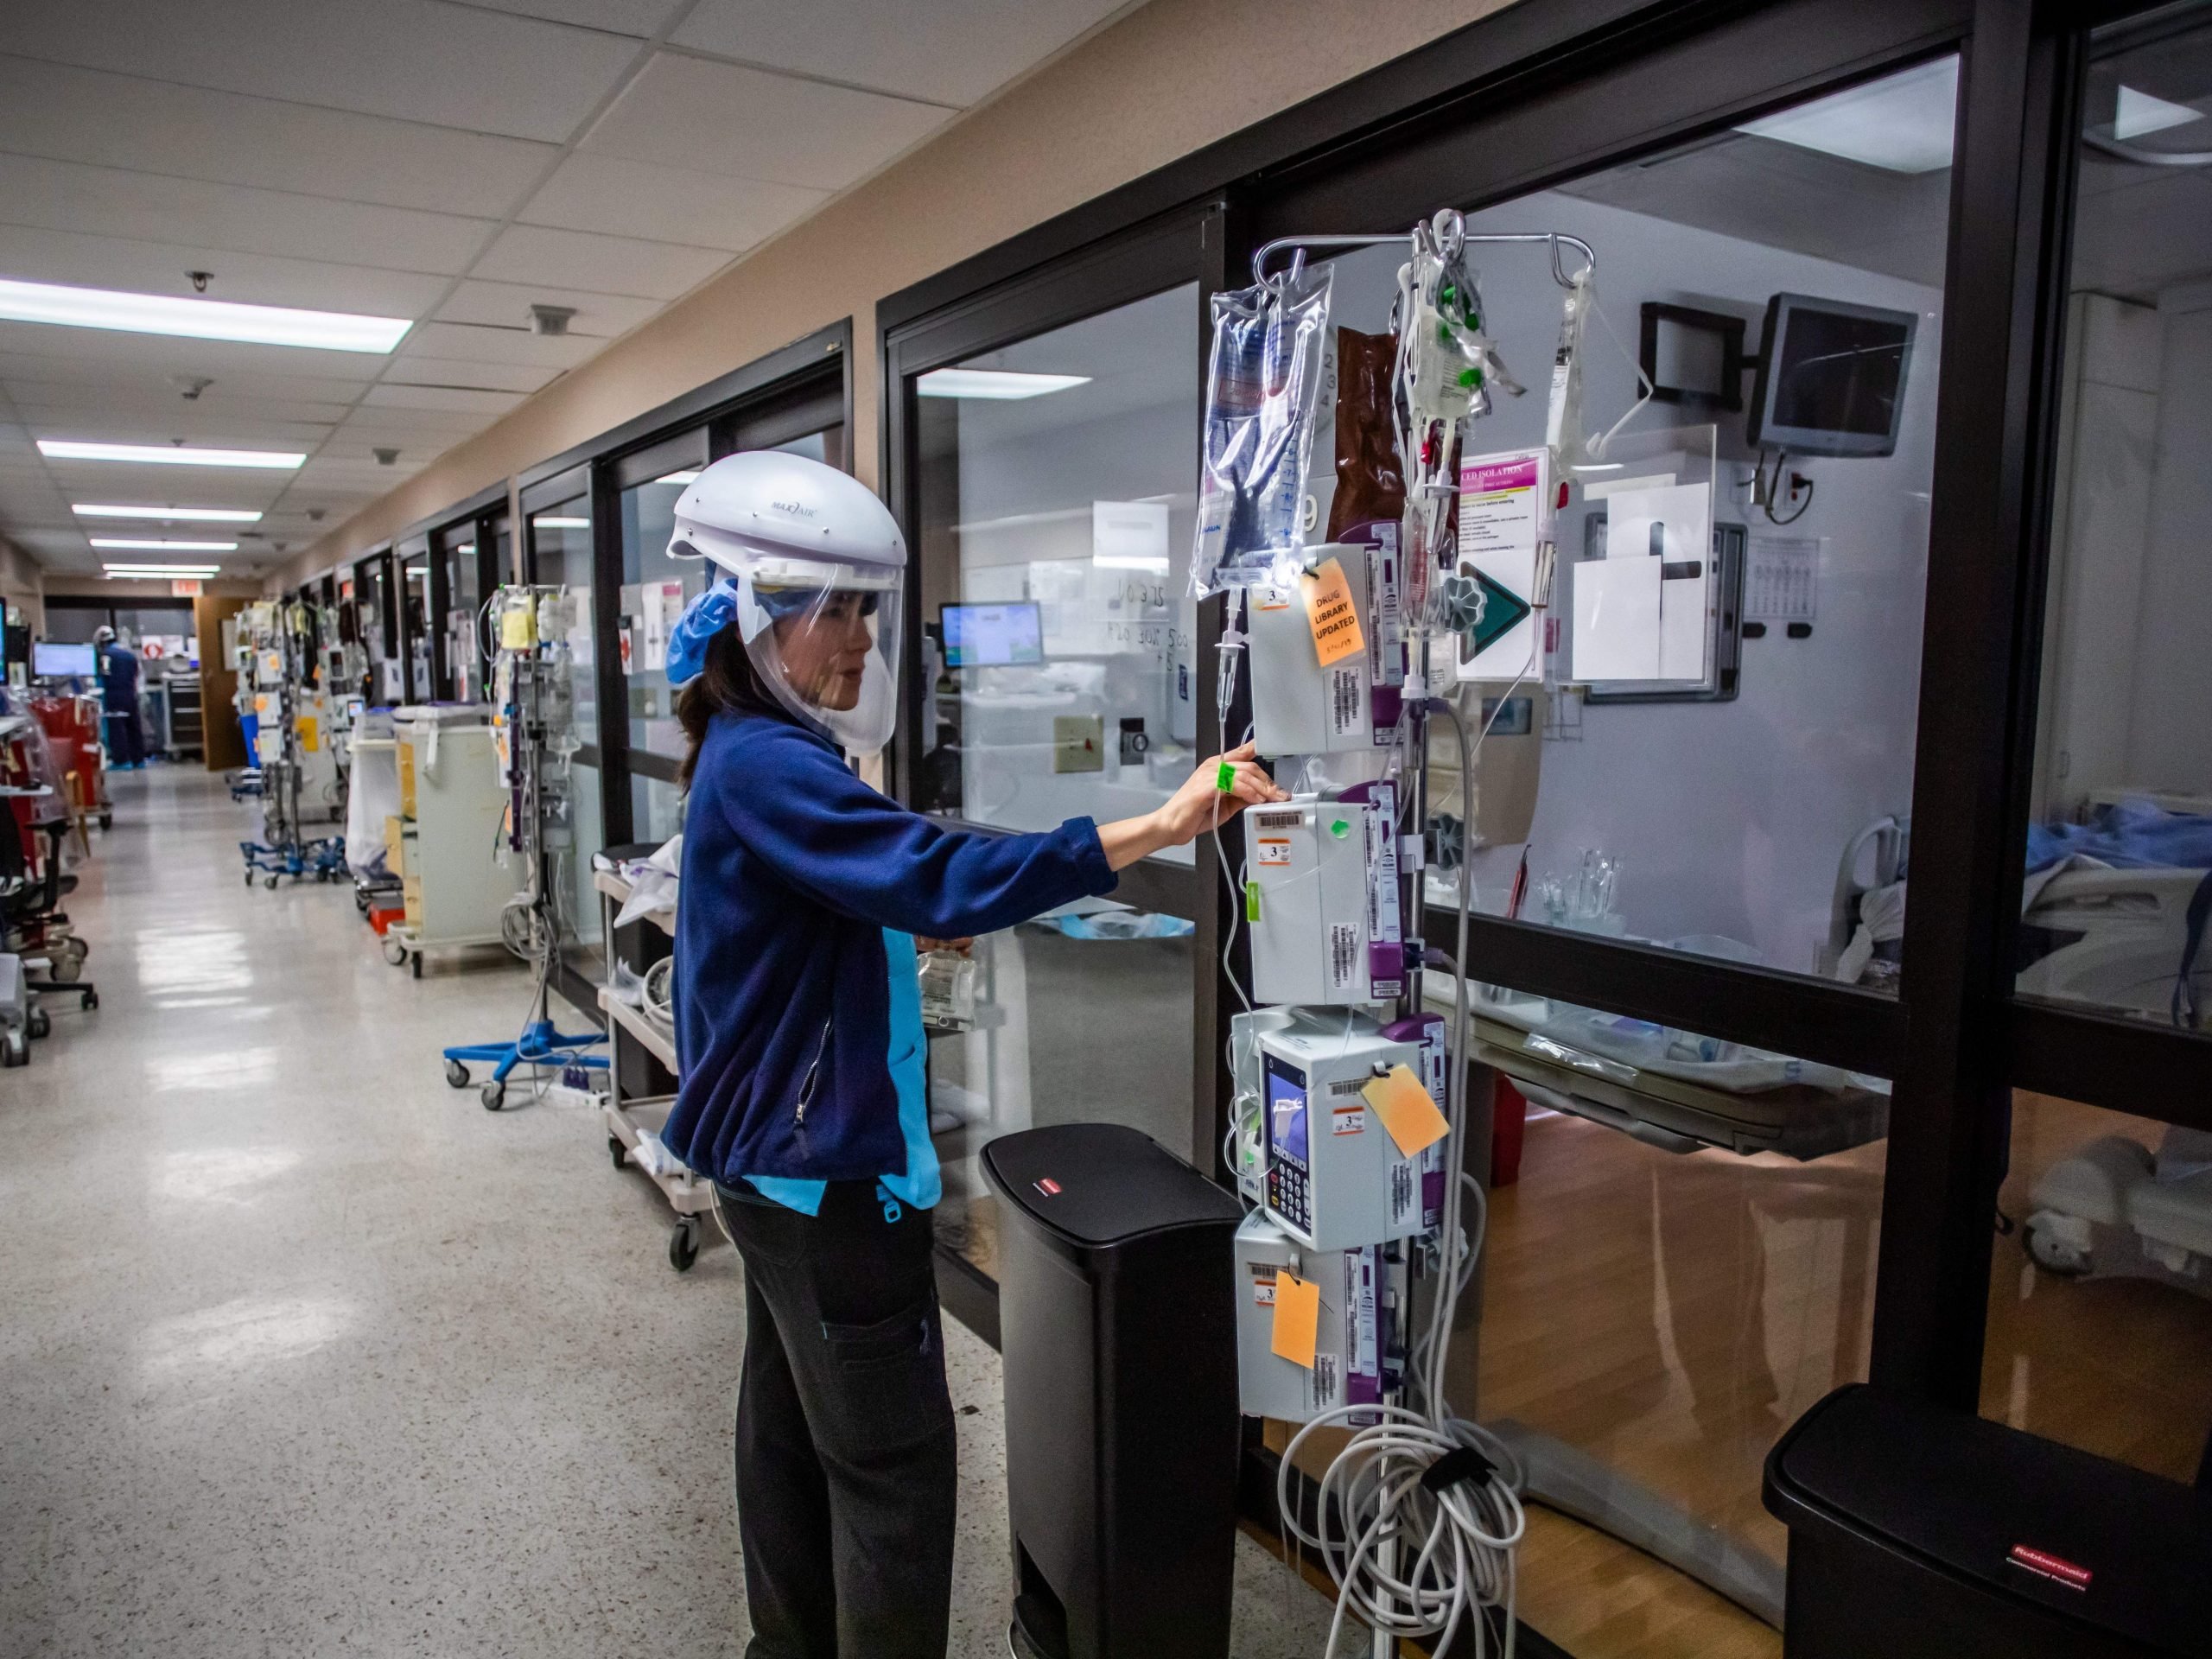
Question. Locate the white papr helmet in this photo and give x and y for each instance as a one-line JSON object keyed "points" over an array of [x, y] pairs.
{"points": [[811, 551]]}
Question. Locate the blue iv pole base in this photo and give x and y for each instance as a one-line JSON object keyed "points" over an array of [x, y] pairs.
{"points": [[540, 1047]]}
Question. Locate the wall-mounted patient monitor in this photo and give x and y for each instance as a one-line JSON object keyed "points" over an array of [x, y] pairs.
{"points": [[1831, 377], [992, 636]]}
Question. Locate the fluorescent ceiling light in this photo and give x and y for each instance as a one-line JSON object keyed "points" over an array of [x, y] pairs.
{"points": [[677, 478], [163, 313], [175, 515], [547, 521], [2138, 114], [130, 544], [156, 572], [1902, 123], [997, 385], [167, 454]]}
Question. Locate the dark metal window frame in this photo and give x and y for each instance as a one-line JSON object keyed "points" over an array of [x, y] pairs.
{"points": [[1534, 96]]}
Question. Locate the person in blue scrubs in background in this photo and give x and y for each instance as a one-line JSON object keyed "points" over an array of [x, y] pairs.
{"points": [[119, 728], [803, 1092]]}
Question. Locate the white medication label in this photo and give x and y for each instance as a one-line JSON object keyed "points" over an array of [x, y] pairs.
{"points": [[1274, 849], [1347, 1119]]}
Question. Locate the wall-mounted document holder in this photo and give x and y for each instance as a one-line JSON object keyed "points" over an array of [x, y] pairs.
{"points": [[1655, 599]]}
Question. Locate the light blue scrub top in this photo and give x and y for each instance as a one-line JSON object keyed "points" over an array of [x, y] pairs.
{"points": [[923, 1185]]}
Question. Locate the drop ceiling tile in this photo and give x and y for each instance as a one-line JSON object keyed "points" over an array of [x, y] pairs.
{"points": [[82, 115], [507, 305], [29, 375], [452, 66], [657, 270], [108, 201], [666, 204], [474, 402], [474, 342], [52, 403], [408, 369], [639, 18], [964, 50], [218, 429], [720, 117], [30, 254]]}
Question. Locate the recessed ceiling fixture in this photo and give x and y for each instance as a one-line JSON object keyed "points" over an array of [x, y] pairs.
{"points": [[1901, 123], [172, 515], [164, 314], [547, 521], [160, 572], [995, 386], [133, 544], [175, 455]]}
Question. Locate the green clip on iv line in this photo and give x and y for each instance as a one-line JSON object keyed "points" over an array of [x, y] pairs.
{"points": [[1224, 778]]}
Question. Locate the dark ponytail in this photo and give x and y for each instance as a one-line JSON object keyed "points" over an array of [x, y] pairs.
{"points": [[728, 682]]}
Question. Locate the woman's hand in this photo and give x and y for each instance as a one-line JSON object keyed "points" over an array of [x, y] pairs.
{"points": [[958, 947], [1200, 805]]}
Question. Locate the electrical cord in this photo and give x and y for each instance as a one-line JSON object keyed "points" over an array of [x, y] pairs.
{"points": [[1765, 490]]}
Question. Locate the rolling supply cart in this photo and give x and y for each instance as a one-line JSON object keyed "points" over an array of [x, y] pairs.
{"points": [[446, 836], [633, 1123]]}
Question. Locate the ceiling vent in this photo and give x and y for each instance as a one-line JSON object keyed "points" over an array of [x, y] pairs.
{"points": [[550, 319], [386, 457]]}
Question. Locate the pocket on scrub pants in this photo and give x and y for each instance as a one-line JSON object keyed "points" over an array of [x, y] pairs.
{"points": [[887, 1380]]}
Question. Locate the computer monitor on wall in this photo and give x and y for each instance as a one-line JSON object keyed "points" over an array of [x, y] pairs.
{"points": [[1831, 377]]}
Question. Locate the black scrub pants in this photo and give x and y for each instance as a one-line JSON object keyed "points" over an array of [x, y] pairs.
{"points": [[846, 1454]]}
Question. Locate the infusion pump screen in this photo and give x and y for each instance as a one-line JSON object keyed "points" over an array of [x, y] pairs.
{"points": [[1287, 1113], [992, 636]]}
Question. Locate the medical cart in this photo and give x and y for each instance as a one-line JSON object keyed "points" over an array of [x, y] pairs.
{"points": [[451, 807], [633, 1125]]}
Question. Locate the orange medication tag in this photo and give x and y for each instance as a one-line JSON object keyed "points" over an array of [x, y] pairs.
{"points": [[1329, 610], [1298, 1318], [1406, 1110]]}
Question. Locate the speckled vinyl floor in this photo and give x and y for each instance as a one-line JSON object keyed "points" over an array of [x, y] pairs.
{"points": [[302, 1352]]}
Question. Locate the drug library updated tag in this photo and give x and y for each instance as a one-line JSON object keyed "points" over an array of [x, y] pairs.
{"points": [[1298, 1318], [1330, 613], [1402, 1102]]}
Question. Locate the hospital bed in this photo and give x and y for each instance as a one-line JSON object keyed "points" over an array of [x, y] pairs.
{"points": [[1672, 1089]]}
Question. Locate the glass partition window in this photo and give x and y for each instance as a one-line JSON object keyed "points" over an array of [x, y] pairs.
{"points": [[2100, 1330], [1056, 500], [461, 624], [561, 554], [1740, 787], [2119, 845], [655, 589], [415, 592]]}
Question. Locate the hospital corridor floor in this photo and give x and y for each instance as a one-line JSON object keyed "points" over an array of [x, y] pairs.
{"points": [[304, 1352]]}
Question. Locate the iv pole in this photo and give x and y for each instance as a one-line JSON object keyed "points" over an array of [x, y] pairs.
{"points": [[1449, 231]]}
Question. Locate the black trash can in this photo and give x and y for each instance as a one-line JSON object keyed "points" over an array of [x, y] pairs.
{"points": [[1117, 1320], [1915, 1530]]}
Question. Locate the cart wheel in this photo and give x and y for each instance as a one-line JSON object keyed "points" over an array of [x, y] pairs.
{"points": [[394, 951], [271, 882], [683, 1244], [107, 820], [91, 1000], [41, 1023], [2053, 1255], [415, 965], [493, 1095], [18, 1051], [65, 966], [249, 875], [456, 1074], [618, 1152]]}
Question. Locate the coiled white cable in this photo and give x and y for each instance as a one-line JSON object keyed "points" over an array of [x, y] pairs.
{"points": [[1418, 1517]]}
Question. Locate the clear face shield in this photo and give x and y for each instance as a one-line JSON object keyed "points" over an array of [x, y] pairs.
{"points": [[824, 639]]}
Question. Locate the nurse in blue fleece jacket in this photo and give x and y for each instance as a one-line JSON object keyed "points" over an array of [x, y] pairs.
{"points": [[803, 1091]]}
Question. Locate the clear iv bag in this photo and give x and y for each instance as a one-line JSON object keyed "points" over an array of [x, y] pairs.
{"points": [[1263, 382]]}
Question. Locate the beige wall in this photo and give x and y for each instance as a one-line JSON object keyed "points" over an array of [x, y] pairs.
{"points": [[22, 582], [1168, 78]]}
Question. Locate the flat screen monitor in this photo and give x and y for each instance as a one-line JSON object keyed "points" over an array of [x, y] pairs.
{"points": [[992, 636], [1832, 377], [55, 659]]}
